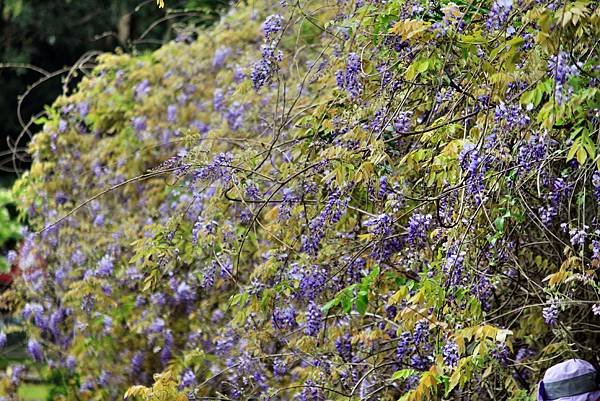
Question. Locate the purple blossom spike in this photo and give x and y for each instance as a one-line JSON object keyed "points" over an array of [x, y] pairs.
{"points": [[220, 56], [403, 347], [142, 89], [34, 348], [272, 25], [105, 266], [188, 378], [550, 314], [350, 78], [313, 320], [284, 318], [279, 367], [139, 124], [450, 353]]}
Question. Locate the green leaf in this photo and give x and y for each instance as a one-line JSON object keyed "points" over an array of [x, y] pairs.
{"points": [[403, 374], [330, 304], [499, 223], [346, 300], [362, 301]]}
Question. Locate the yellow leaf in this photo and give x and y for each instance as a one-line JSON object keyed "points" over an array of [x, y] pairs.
{"points": [[428, 380], [460, 342], [418, 298], [398, 296], [136, 391], [272, 214], [487, 331], [365, 237], [454, 379], [408, 28], [581, 155], [556, 278]]}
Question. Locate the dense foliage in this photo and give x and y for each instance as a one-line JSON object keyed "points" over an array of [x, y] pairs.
{"points": [[343, 200]]}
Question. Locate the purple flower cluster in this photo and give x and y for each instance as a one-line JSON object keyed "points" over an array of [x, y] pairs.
{"points": [[18, 371], [312, 280], [279, 367], [550, 313], [402, 122], [188, 378], [450, 353], [343, 346], [350, 78], [453, 266], [34, 348], [532, 152], [577, 235], [418, 226], [498, 14], [105, 266], [234, 115], [263, 70], [310, 392], [142, 89], [218, 169], [483, 290], [220, 56], [285, 318], [474, 167], [559, 190], [332, 212], [313, 320], [139, 124], [272, 25], [596, 185], [288, 201], [381, 226], [561, 70], [512, 115], [404, 345]]}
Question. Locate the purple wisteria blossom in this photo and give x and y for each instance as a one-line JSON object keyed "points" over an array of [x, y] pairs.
{"points": [[343, 346], [499, 14], [188, 378], [418, 225], [105, 266], [220, 56], [272, 25], [550, 314], [404, 344], [284, 318], [560, 68], [264, 69], [332, 212], [350, 78], [34, 348], [142, 89], [313, 320]]}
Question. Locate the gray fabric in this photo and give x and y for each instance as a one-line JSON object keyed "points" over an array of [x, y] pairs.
{"points": [[572, 386]]}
